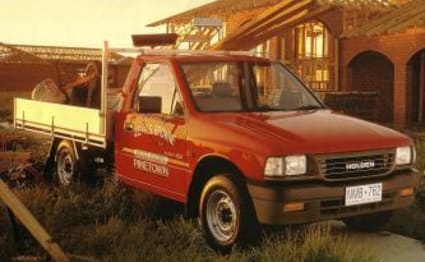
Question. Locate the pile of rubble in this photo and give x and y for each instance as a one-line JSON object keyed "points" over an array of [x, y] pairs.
{"points": [[17, 168]]}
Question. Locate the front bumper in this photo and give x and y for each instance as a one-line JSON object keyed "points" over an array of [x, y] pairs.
{"points": [[323, 201]]}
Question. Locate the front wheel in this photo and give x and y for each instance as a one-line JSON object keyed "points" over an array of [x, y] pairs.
{"points": [[226, 215], [369, 223]]}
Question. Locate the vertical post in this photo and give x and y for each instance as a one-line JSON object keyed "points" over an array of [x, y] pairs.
{"points": [[421, 87], [23, 119], [104, 87], [14, 111], [87, 133], [336, 65], [52, 131], [400, 96]]}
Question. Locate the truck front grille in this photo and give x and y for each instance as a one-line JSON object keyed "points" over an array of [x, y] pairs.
{"points": [[356, 165]]}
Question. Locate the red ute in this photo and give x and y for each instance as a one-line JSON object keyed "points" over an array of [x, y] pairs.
{"points": [[238, 139], [241, 141]]}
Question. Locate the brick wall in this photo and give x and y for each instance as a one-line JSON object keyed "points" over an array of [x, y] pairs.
{"points": [[371, 71], [333, 21], [24, 76], [399, 48]]}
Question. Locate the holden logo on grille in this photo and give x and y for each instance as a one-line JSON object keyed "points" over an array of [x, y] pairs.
{"points": [[360, 165]]}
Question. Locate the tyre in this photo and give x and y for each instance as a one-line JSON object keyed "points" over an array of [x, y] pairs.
{"points": [[67, 169], [369, 223], [226, 215]]}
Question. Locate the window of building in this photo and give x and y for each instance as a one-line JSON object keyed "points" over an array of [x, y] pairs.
{"points": [[312, 40], [312, 54], [262, 49]]}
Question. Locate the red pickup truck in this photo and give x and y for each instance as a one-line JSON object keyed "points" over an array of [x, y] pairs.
{"points": [[238, 139]]}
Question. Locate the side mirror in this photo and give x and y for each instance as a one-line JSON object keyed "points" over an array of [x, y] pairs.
{"points": [[150, 104], [178, 110]]}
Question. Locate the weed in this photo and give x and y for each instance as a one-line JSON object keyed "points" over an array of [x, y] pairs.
{"points": [[6, 103], [111, 222]]}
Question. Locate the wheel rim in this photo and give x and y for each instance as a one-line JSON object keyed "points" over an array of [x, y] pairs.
{"points": [[221, 216], [65, 167]]}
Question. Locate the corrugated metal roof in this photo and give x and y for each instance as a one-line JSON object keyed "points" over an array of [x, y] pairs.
{"points": [[10, 53]]}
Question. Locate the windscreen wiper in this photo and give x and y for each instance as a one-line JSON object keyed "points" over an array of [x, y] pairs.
{"points": [[266, 108], [309, 107]]}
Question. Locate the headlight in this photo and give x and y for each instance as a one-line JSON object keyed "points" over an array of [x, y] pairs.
{"points": [[274, 166], [290, 166], [295, 165], [404, 155]]}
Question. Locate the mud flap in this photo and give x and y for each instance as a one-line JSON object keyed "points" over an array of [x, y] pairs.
{"points": [[49, 162]]}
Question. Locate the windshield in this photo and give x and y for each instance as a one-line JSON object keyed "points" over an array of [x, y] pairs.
{"points": [[246, 86]]}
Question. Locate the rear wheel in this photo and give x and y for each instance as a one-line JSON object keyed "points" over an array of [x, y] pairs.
{"points": [[370, 223], [67, 166], [226, 215]]}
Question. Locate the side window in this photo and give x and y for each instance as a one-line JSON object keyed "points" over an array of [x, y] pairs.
{"points": [[157, 80]]}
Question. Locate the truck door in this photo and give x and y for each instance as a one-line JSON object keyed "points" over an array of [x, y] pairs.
{"points": [[156, 141]]}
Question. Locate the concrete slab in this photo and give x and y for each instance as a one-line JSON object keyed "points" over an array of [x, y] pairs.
{"points": [[387, 246]]}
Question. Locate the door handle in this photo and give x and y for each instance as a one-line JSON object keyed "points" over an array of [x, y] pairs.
{"points": [[128, 126]]}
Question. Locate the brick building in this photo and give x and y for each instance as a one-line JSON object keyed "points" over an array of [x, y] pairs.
{"points": [[363, 48], [23, 66]]}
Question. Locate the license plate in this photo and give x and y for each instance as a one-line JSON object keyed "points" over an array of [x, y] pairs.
{"points": [[357, 195]]}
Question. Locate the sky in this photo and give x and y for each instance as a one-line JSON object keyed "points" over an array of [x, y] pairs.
{"points": [[83, 23]]}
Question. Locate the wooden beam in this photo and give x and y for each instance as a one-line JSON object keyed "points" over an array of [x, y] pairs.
{"points": [[300, 18], [421, 86], [31, 223], [336, 64], [271, 16], [282, 17], [284, 12], [410, 21], [200, 11], [303, 16], [383, 20], [254, 40], [269, 13], [394, 21]]}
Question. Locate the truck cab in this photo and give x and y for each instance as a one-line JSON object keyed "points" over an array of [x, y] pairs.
{"points": [[242, 142]]}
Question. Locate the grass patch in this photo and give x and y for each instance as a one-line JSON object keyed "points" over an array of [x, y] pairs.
{"points": [[411, 221], [6, 103], [114, 223]]}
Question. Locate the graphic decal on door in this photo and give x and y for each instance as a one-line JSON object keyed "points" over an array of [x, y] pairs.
{"points": [[143, 128], [149, 162]]}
